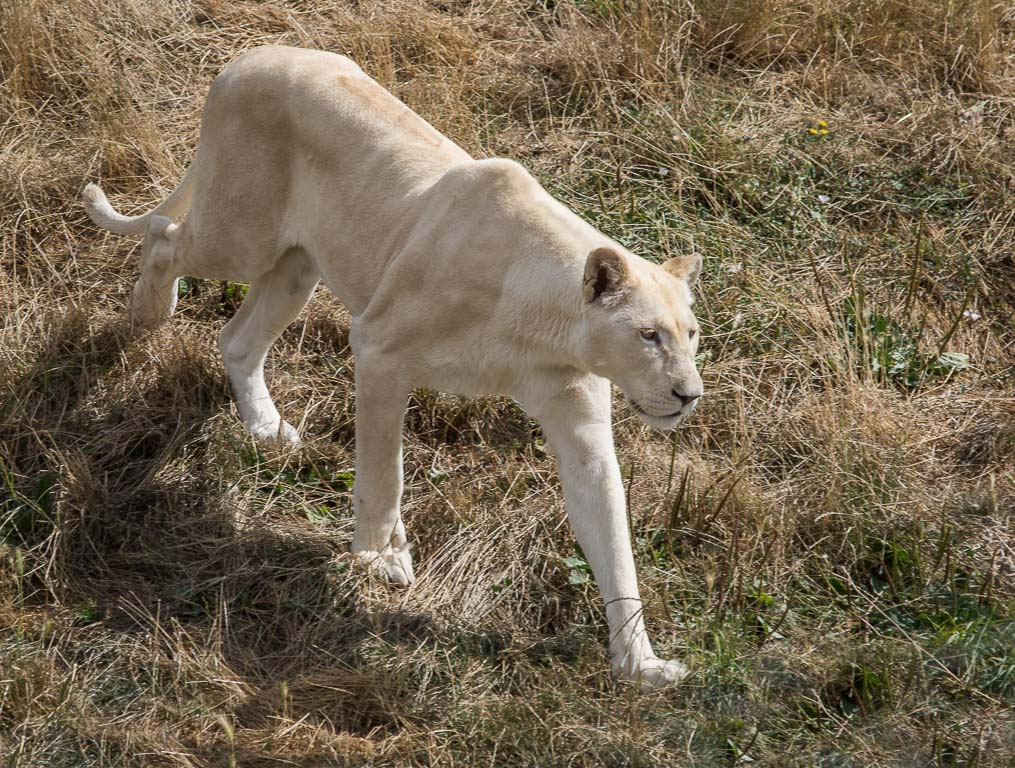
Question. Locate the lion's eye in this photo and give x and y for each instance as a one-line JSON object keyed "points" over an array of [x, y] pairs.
{"points": [[692, 333], [649, 334]]}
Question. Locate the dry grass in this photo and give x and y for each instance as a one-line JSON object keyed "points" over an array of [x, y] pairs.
{"points": [[829, 542]]}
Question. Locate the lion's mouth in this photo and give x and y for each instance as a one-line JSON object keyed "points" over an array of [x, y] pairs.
{"points": [[643, 412]]}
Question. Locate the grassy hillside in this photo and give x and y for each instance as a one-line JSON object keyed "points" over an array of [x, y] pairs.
{"points": [[828, 542]]}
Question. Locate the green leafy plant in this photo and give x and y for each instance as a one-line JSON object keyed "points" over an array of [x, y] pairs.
{"points": [[579, 571], [891, 352]]}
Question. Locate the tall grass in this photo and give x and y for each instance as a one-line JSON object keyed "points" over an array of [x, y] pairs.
{"points": [[828, 543]]}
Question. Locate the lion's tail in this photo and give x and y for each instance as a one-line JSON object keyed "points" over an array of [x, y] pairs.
{"points": [[102, 213]]}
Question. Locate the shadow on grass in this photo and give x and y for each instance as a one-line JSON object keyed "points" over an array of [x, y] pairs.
{"points": [[133, 527]]}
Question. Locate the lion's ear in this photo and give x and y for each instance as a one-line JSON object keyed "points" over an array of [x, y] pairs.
{"points": [[606, 276], [686, 268]]}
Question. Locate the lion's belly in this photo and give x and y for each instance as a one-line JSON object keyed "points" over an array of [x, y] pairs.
{"points": [[468, 375]]}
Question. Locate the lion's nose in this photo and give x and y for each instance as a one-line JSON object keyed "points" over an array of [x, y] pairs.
{"points": [[685, 399]]}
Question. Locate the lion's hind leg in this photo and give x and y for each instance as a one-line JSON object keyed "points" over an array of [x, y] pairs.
{"points": [[273, 302], [154, 296]]}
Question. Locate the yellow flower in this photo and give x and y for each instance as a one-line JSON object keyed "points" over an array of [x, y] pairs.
{"points": [[818, 128]]}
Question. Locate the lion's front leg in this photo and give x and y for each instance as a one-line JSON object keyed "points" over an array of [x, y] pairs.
{"points": [[577, 425], [380, 538]]}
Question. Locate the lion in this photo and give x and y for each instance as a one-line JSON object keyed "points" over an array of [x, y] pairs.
{"points": [[461, 275]]}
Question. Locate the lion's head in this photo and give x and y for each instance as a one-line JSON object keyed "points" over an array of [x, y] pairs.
{"points": [[641, 332]]}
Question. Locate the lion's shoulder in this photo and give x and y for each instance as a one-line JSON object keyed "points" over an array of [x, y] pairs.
{"points": [[495, 175]]}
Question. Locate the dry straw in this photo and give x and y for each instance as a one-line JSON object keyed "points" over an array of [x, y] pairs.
{"points": [[828, 543]]}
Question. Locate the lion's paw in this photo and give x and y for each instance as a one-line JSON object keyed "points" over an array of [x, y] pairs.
{"points": [[652, 672], [269, 433], [393, 565]]}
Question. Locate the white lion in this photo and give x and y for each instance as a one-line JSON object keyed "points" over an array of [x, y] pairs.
{"points": [[461, 275]]}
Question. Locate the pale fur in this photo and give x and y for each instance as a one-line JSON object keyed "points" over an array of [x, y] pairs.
{"points": [[460, 275]]}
